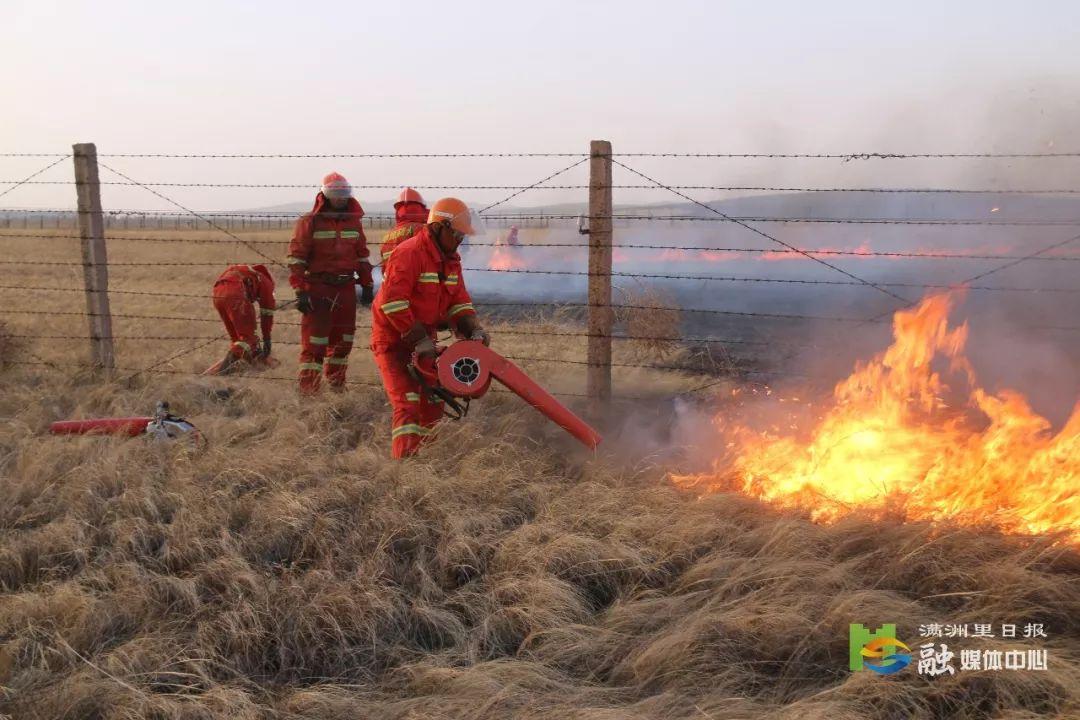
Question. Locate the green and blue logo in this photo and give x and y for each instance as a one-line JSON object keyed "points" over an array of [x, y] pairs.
{"points": [[878, 651]]}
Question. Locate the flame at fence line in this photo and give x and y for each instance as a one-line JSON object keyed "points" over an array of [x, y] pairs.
{"points": [[505, 257], [904, 434], [863, 251]]}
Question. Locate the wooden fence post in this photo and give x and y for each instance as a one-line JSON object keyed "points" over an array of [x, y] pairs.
{"points": [[601, 315], [95, 260]]}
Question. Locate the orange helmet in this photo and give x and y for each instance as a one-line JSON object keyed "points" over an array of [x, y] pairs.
{"points": [[409, 195], [458, 215], [335, 186]]}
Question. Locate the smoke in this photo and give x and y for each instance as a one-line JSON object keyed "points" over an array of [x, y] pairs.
{"points": [[1019, 339], [1018, 345], [698, 434], [677, 433]]}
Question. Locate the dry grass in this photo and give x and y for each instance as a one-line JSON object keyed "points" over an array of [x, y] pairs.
{"points": [[10, 347], [656, 321], [290, 570]]}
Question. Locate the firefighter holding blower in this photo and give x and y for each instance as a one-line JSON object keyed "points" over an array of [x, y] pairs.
{"points": [[423, 290], [411, 215], [236, 291], [328, 254]]}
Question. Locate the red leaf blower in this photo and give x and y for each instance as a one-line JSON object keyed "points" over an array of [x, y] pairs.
{"points": [[465, 369]]}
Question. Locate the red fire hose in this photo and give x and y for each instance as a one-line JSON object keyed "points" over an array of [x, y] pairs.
{"points": [[161, 426], [131, 426]]}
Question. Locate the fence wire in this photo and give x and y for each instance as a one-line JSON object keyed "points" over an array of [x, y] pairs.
{"points": [[220, 222], [532, 245], [538, 186], [131, 214], [875, 155]]}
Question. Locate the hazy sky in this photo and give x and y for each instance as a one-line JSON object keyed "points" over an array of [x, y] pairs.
{"points": [[423, 76]]}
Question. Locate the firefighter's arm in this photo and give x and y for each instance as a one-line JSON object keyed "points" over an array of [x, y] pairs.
{"points": [[299, 253], [363, 261], [397, 292], [468, 328], [267, 305], [462, 314], [461, 305]]}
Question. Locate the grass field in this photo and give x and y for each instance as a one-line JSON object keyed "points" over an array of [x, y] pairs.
{"points": [[291, 570]]}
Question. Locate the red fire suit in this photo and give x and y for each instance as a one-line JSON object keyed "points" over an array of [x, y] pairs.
{"points": [[327, 252], [235, 292], [411, 216], [422, 286]]}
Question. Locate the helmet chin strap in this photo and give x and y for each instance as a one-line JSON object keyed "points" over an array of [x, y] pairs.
{"points": [[442, 233]]}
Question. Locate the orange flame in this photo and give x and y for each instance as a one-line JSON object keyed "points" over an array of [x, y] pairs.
{"points": [[864, 249], [680, 255], [503, 257], [891, 442]]}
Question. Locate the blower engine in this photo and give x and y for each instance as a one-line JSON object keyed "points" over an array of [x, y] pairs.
{"points": [[160, 426], [465, 369]]}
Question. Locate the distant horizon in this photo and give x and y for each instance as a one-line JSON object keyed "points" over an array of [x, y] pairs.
{"points": [[989, 206], [764, 77]]}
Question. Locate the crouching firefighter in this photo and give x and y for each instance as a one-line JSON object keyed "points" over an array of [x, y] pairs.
{"points": [[423, 291], [327, 255], [236, 291]]}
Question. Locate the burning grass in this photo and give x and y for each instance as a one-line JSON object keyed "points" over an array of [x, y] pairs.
{"points": [[912, 431], [291, 570]]}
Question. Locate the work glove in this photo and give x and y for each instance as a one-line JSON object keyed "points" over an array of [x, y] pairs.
{"points": [[425, 349], [417, 336], [482, 335], [303, 302], [367, 295], [470, 329]]}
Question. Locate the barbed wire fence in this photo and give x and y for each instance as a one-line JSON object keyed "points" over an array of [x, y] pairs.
{"points": [[258, 236]]}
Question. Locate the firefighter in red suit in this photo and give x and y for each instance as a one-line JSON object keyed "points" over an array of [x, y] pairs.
{"points": [[423, 290], [411, 215], [328, 255], [236, 291]]}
